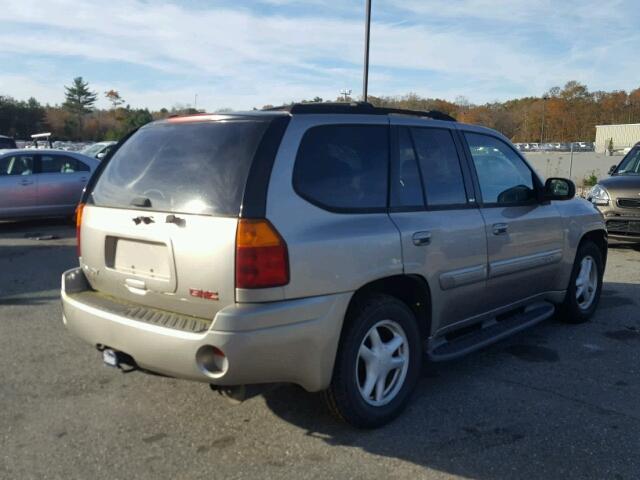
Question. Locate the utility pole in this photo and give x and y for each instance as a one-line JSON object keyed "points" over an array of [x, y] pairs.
{"points": [[367, 28], [195, 102], [544, 100], [346, 93]]}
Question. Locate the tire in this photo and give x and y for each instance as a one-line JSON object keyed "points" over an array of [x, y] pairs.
{"points": [[572, 310], [394, 322]]}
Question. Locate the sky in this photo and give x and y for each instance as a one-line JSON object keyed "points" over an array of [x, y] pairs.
{"points": [[244, 54]]}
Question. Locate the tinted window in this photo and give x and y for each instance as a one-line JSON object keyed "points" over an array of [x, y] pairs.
{"points": [[61, 164], [16, 165], [198, 167], [503, 175], [440, 166], [630, 165], [406, 185], [344, 166], [7, 143]]}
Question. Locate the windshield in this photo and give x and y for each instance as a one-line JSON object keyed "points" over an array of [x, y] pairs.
{"points": [[191, 167], [630, 164], [93, 150]]}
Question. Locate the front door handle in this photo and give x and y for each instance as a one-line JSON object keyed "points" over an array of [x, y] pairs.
{"points": [[421, 238], [500, 228]]}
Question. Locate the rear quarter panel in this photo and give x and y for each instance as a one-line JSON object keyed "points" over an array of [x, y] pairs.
{"points": [[328, 252]]}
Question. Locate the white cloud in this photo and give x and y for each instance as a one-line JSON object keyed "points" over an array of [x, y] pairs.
{"points": [[237, 58]]}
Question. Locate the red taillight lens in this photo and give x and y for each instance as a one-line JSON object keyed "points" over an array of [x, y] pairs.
{"points": [[79, 210], [262, 260]]}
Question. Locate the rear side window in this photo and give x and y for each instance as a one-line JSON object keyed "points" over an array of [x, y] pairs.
{"points": [[61, 164], [190, 167], [440, 167], [344, 167]]}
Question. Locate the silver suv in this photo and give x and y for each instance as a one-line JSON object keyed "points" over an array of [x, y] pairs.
{"points": [[334, 246]]}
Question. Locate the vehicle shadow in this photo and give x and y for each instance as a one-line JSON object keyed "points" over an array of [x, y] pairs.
{"points": [[629, 246], [547, 403], [56, 227]]}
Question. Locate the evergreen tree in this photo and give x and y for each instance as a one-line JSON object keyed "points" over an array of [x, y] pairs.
{"points": [[78, 98]]}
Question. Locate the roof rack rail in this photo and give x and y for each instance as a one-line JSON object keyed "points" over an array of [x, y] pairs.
{"points": [[357, 108]]}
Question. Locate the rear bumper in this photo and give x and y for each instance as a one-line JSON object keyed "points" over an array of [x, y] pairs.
{"points": [[292, 341]]}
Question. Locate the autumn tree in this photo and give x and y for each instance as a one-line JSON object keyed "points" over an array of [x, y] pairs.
{"points": [[113, 96]]}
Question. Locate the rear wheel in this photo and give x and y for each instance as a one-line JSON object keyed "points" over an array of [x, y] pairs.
{"points": [[585, 285], [378, 363]]}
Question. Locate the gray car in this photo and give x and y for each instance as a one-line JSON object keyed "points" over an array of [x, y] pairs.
{"points": [[42, 183], [333, 246]]}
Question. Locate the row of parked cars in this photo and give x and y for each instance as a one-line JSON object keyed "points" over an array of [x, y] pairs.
{"points": [[41, 182], [556, 147]]}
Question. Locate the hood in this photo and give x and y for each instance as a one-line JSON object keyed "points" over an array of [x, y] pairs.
{"points": [[622, 185]]}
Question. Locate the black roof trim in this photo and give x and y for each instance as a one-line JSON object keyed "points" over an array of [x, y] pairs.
{"points": [[362, 108]]}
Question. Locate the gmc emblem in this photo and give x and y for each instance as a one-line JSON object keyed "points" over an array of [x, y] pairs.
{"points": [[206, 294]]}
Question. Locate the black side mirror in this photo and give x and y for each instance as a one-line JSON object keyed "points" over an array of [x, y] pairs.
{"points": [[559, 189], [612, 169]]}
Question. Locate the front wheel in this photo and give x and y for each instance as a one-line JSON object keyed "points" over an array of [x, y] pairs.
{"points": [[585, 285], [378, 363]]}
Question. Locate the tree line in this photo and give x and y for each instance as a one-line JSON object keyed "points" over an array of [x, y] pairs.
{"points": [[562, 114], [77, 118]]}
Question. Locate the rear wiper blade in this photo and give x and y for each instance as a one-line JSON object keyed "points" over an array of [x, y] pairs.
{"points": [[141, 202]]}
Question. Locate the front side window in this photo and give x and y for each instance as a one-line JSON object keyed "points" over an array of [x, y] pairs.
{"points": [[503, 176], [16, 165], [343, 167], [61, 164]]}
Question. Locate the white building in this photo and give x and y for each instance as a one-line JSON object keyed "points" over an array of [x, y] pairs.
{"points": [[623, 136]]}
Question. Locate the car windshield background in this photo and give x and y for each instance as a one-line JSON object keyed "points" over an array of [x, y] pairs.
{"points": [[344, 167], [503, 176], [630, 165], [16, 165], [191, 167]]}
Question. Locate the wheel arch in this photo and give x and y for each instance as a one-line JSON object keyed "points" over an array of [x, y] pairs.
{"points": [[413, 290], [600, 239]]}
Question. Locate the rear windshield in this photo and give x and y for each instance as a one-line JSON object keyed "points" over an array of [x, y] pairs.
{"points": [[198, 168]]}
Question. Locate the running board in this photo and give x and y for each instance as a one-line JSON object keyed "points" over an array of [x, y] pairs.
{"points": [[488, 332]]}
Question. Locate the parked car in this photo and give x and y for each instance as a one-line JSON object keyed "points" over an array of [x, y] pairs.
{"points": [[42, 183], [333, 246], [98, 150], [7, 143], [618, 197]]}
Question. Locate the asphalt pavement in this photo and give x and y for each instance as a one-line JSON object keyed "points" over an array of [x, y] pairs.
{"points": [[557, 401]]}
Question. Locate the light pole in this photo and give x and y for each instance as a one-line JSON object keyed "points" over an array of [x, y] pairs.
{"points": [[544, 101], [367, 28], [346, 93]]}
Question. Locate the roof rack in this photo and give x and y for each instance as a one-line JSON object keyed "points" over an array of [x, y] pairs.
{"points": [[357, 108]]}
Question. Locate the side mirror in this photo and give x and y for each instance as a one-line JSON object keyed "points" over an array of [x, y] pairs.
{"points": [[559, 189], [101, 155], [612, 169]]}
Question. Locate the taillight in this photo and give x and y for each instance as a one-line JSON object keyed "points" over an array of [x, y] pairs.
{"points": [[79, 210], [262, 260]]}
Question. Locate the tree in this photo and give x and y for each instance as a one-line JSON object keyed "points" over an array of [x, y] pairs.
{"points": [[78, 98], [114, 98]]}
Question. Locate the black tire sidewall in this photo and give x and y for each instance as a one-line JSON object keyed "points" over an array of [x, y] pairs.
{"points": [[571, 311], [352, 407]]}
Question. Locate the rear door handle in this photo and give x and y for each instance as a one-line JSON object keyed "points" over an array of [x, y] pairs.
{"points": [[421, 238], [500, 228]]}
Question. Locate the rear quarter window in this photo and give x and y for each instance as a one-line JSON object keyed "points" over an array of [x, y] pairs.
{"points": [[344, 167], [190, 167]]}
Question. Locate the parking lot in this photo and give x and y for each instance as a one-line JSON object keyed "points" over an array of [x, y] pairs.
{"points": [[557, 401]]}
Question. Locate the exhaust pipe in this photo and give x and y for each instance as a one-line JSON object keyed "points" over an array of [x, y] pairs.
{"points": [[115, 359]]}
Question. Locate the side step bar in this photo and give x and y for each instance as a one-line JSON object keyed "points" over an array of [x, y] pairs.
{"points": [[488, 332]]}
